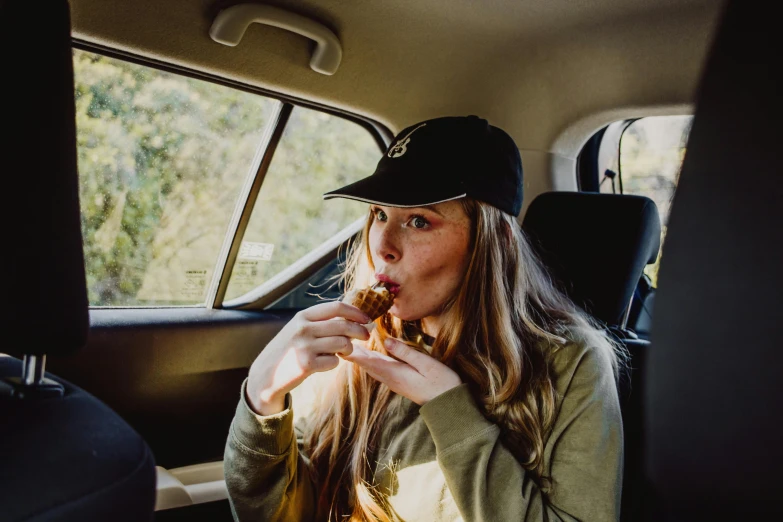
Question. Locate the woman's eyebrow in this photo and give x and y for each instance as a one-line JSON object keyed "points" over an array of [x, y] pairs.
{"points": [[433, 209]]}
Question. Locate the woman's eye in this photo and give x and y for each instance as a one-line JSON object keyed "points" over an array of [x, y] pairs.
{"points": [[419, 222], [380, 215]]}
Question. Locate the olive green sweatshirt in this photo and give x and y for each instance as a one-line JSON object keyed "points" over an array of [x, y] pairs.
{"points": [[444, 461]]}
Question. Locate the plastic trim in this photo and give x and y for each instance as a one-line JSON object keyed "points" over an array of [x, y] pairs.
{"points": [[190, 485]]}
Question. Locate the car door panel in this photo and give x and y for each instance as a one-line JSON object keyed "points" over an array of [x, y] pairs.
{"points": [[174, 374]]}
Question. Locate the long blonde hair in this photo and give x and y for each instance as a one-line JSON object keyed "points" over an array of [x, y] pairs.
{"points": [[499, 334]]}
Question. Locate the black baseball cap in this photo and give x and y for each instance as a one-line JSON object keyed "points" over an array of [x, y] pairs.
{"points": [[443, 159]]}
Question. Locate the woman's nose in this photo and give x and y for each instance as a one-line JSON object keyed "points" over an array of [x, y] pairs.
{"points": [[386, 246]]}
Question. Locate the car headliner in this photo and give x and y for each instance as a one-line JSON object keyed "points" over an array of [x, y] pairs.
{"points": [[550, 72]]}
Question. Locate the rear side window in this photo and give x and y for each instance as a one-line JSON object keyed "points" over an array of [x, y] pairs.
{"points": [[644, 157], [317, 153], [164, 163]]}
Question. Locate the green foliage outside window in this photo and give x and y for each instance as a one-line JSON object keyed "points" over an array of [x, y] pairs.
{"points": [[162, 160]]}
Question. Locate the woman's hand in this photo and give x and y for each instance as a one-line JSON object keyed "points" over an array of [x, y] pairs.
{"points": [[416, 375], [307, 344]]}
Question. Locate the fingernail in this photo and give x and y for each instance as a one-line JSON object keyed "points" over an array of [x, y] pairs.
{"points": [[389, 344], [367, 319]]}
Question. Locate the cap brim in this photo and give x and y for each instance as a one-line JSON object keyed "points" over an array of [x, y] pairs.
{"points": [[392, 191]]}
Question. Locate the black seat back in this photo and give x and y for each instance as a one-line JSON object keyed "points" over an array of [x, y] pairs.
{"points": [[714, 383], [597, 245], [64, 455]]}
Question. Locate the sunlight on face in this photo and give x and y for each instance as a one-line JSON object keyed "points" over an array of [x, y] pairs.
{"points": [[425, 250]]}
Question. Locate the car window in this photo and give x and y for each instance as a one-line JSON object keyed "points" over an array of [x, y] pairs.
{"points": [[318, 152], [162, 159], [647, 162]]}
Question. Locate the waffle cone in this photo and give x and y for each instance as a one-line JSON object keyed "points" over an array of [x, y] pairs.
{"points": [[374, 303]]}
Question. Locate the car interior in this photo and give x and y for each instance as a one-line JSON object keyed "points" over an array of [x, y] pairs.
{"points": [[164, 164]]}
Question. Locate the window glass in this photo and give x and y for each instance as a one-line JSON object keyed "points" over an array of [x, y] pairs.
{"points": [[648, 163], [317, 153], [162, 159]]}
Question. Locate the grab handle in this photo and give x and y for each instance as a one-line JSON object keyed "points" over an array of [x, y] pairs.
{"points": [[231, 23]]}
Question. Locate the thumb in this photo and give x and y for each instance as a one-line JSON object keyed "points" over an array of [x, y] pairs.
{"points": [[359, 354], [364, 357], [407, 354]]}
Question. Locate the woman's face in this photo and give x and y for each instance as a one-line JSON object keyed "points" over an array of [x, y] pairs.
{"points": [[424, 250]]}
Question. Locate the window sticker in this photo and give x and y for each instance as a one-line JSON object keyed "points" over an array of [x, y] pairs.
{"points": [[258, 251], [195, 284], [246, 272]]}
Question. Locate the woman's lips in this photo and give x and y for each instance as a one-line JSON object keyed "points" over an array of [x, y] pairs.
{"points": [[389, 283]]}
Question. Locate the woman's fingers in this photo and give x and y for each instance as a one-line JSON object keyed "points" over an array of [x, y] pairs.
{"points": [[415, 375], [325, 311], [370, 359], [332, 328], [332, 345], [421, 362], [324, 363], [379, 366]]}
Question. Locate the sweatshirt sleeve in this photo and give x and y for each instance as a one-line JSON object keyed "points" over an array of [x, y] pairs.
{"points": [[266, 473], [584, 452]]}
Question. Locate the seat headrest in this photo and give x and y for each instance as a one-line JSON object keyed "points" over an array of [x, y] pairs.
{"points": [[596, 245], [45, 310]]}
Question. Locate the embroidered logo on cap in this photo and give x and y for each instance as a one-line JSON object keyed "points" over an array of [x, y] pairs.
{"points": [[401, 147]]}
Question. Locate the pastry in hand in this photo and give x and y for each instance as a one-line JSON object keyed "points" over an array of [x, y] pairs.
{"points": [[374, 301]]}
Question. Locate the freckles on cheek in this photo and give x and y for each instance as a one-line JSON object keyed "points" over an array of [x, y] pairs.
{"points": [[443, 255]]}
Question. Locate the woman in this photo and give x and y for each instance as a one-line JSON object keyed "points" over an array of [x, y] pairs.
{"points": [[484, 394]]}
